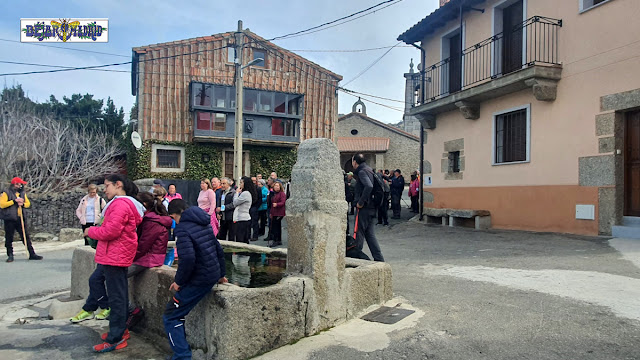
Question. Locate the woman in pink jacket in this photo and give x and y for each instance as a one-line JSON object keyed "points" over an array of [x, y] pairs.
{"points": [[414, 192], [117, 244], [207, 202], [278, 211]]}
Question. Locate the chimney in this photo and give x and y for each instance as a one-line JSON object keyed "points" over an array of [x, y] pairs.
{"points": [[442, 2]]}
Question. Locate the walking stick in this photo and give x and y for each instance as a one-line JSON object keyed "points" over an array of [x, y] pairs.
{"points": [[24, 234]]}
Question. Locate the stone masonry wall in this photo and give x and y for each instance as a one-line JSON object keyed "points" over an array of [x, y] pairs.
{"points": [[50, 213], [403, 153]]}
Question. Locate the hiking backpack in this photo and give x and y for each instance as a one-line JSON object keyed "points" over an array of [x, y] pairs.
{"points": [[377, 194]]}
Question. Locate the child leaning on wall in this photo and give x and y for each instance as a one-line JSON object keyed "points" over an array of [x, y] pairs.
{"points": [[201, 266]]}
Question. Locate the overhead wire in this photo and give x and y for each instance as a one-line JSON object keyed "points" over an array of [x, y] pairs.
{"points": [[371, 65]]}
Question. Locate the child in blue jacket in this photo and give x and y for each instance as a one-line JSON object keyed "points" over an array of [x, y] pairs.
{"points": [[200, 267]]}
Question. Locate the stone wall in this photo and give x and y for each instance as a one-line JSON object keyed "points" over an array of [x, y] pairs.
{"points": [[50, 213], [403, 151]]}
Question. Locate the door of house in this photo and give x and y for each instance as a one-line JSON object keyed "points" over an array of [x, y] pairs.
{"points": [[228, 164], [455, 64], [632, 165], [512, 39]]}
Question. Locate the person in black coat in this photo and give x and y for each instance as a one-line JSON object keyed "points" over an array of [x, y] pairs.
{"points": [[366, 209], [397, 187], [200, 267], [227, 229]]}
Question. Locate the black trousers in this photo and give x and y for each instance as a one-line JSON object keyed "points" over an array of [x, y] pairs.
{"points": [[243, 230], [118, 291], [84, 227], [395, 204], [366, 232], [10, 227], [276, 224], [227, 230], [253, 212], [262, 218], [383, 217]]}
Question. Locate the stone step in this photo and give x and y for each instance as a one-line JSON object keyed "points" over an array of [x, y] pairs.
{"points": [[633, 221], [627, 232]]}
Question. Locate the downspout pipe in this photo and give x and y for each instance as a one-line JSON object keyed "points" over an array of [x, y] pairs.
{"points": [[423, 59]]}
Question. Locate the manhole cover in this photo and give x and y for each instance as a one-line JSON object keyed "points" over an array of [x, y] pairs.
{"points": [[387, 315]]}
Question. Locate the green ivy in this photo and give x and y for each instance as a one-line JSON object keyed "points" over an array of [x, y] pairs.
{"points": [[139, 161], [264, 160]]}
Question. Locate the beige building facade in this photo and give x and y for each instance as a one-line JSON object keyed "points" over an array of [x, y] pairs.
{"points": [[384, 146], [536, 118]]}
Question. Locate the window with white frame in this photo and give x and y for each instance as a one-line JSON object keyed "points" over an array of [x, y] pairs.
{"points": [[167, 158], [588, 4], [511, 136]]}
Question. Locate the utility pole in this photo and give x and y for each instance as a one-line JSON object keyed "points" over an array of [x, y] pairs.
{"points": [[237, 142]]}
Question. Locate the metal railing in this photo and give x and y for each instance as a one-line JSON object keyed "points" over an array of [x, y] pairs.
{"points": [[533, 42]]}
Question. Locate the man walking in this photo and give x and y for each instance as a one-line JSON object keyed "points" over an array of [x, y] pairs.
{"points": [[397, 187], [364, 226], [12, 203]]}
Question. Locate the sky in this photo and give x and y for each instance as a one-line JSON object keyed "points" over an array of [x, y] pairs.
{"points": [[135, 23]]}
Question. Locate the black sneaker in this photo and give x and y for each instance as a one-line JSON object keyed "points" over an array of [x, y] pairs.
{"points": [[35, 257], [10, 258]]}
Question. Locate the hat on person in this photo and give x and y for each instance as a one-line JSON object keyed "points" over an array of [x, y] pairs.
{"points": [[350, 173], [17, 180], [157, 182]]}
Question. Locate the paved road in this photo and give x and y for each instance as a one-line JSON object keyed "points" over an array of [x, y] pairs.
{"points": [[23, 278]]}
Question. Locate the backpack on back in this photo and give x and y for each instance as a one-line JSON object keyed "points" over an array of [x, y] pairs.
{"points": [[377, 194]]}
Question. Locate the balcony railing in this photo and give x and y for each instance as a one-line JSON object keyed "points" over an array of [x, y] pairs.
{"points": [[534, 42]]}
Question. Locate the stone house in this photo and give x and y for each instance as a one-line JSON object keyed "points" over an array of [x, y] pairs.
{"points": [[384, 146], [531, 112], [185, 95]]}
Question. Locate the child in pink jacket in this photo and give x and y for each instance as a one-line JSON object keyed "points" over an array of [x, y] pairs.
{"points": [[117, 244]]}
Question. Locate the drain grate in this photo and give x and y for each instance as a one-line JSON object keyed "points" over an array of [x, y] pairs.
{"points": [[387, 315]]}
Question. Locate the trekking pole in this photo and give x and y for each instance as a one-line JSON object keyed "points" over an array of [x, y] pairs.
{"points": [[24, 234]]}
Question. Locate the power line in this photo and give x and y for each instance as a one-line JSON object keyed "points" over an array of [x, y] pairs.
{"points": [[344, 22], [331, 22], [56, 66], [350, 51], [371, 65], [66, 48]]}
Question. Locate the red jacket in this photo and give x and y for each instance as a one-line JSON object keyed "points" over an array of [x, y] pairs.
{"points": [[279, 198], [117, 237], [153, 235], [414, 188]]}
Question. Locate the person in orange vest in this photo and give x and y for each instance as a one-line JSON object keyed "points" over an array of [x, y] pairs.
{"points": [[12, 202]]}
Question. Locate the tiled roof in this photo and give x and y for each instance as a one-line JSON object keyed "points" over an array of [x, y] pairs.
{"points": [[364, 144], [229, 35], [381, 124]]}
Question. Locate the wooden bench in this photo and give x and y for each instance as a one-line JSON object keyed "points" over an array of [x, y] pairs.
{"points": [[481, 219]]}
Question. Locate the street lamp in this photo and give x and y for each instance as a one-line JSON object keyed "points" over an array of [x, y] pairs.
{"points": [[237, 141]]}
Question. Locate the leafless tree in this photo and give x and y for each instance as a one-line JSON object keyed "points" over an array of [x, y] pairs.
{"points": [[51, 155]]}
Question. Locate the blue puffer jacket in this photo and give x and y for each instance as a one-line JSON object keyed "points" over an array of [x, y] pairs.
{"points": [[265, 193], [201, 260]]}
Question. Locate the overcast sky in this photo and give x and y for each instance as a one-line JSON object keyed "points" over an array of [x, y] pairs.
{"points": [[135, 23]]}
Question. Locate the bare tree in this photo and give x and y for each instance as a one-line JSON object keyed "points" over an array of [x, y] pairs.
{"points": [[50, 155]]}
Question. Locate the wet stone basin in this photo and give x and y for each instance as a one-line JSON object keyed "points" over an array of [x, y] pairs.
{"points": [[252, 269]]}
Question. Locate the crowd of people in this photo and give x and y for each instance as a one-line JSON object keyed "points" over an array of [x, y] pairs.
{"points": [[371, 195]]}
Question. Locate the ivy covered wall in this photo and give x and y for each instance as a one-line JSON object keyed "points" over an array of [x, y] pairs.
{"points": [[263, 160]]}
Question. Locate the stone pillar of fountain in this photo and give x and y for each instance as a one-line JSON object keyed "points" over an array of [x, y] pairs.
{"points": [[317, 221]]}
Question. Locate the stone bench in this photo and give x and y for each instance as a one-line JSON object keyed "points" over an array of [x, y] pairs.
{"points": [[459, 217]]}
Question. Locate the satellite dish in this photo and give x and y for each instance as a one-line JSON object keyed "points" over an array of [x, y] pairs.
{"points": [[136, 139]]}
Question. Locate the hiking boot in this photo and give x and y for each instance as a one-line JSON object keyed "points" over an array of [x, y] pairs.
{"points": [[35, 257], [82, 316], [106, 347], [10, 258], [126, 336], [276, 243], [103, 314]]}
